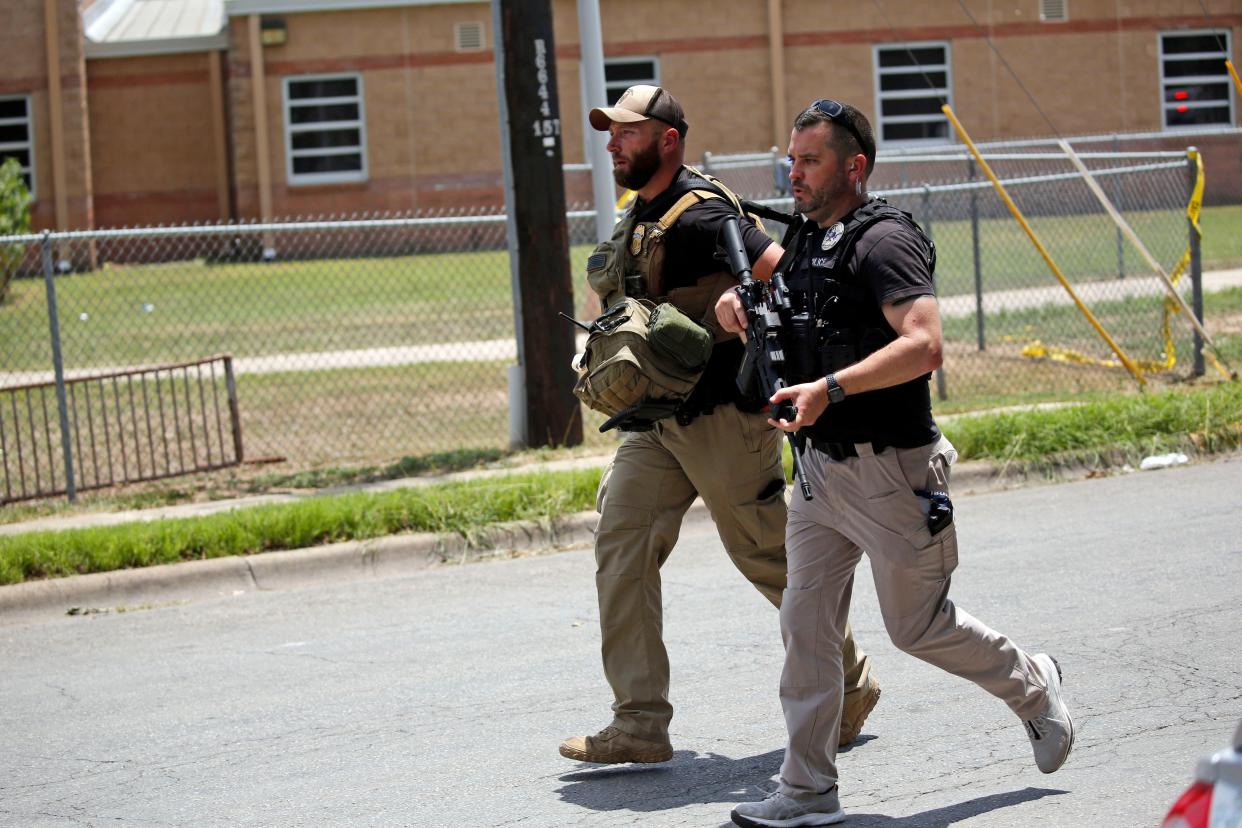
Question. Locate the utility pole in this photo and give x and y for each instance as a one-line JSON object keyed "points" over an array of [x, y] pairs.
{"points": [[530, 128], [591, 39]]}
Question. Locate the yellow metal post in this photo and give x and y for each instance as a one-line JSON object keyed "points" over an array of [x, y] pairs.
{"points": [[1237, 82], [1056, 271]]}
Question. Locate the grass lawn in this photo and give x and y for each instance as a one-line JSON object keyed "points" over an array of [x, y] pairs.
{"points": [[1119, 429], [126, 315]]}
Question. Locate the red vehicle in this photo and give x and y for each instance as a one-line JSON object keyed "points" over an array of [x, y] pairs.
{"points": [[1214, 799]]}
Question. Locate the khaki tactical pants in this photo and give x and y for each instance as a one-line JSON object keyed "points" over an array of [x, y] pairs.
{"points": [[871, 506], [732, 460]]}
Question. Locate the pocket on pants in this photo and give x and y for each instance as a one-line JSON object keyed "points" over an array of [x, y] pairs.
{"points": [[602, 491], [937, 560]]}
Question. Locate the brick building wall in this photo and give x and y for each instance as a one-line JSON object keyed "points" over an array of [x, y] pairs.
{"points": [[23, 42], [152, 140], [145, 151]]}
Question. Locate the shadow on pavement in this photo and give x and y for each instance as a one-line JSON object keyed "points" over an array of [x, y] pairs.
{"points": [[949, 814], [691, 778]]}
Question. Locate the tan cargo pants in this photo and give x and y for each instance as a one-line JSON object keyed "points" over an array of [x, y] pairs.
{"points": [[732, 460], [871, 505]]}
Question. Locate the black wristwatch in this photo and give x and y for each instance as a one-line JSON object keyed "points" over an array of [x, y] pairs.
{"points": [[835, 392]]}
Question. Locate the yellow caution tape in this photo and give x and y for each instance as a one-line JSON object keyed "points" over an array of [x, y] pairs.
{"points": [[1036, 349], [1193, 208]]}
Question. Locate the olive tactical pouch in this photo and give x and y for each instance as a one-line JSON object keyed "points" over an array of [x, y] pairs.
{"points": [[641, 357], [607, 264]]}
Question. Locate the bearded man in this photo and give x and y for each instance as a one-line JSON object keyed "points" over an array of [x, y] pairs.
{"points": [[718, 446]]}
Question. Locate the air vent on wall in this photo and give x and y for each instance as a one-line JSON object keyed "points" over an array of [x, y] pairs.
{"points": [[468, 37], [1053, 11]]}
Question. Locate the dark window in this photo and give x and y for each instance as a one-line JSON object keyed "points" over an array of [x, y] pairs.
{"points": [[325, 132], [912, 56], [919, 81], [16, 136], [912, 84], [309, 164], [621, 74], [1195, 86], [322, 139], [917, 131], [327, 88]]}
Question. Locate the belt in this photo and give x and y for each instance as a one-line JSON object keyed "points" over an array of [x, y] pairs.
{"points": [[842, 451], [685, 417]]}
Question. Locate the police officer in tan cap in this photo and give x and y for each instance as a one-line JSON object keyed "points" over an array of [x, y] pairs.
{"points": [[663, 250]]}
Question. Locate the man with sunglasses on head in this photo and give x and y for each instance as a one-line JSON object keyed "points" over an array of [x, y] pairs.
{"points": [[664, 250], [879, 467]]}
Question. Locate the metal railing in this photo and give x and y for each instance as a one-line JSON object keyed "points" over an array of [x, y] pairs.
{"points": [[117, 428]]}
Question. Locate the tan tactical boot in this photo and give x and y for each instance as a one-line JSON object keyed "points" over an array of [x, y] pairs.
{"points": [[612, 746], [855, 708]]}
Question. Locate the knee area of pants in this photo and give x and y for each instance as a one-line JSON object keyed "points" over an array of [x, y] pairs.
{"points": [[909, 641]]}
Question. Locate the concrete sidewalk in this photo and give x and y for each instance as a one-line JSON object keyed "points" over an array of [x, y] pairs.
{"points": [[339, 562]]}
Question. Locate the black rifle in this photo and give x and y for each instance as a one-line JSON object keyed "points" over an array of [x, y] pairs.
{"points": [[764, 361]]}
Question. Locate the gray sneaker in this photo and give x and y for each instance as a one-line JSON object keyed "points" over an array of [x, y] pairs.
{"points": [[782, 811], [1051, 732]]}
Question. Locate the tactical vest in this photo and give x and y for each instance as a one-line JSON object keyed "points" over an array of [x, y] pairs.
{"points": [[646, 353], [840, 323], [631, 263]]}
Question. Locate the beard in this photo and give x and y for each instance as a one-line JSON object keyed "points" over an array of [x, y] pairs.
{"points": [[832, 193], [641, 168]]}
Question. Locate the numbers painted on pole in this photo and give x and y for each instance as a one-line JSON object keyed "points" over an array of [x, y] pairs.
{"points": [[547, 128]]}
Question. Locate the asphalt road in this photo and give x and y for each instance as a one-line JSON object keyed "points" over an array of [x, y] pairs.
{"points": [[439, 698]]}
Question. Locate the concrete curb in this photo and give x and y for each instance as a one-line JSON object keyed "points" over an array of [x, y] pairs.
{"points": [[290, 569], [338, 562]]}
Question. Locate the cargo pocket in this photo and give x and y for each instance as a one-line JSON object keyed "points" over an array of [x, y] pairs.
{"points": [[604, 272], [613, 385], [602, 491]]}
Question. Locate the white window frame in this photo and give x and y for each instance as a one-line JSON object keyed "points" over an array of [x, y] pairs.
{"points": [[1224, 78], [621, 86], [302, 179], [945, 92], [29, 144]]}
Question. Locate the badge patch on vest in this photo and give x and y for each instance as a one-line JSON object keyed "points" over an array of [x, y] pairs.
{"points": [[636, 240], [834, 234]]}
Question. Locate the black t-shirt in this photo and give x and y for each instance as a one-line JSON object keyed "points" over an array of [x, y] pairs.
{"points": [[689, 254], [888, 265]]}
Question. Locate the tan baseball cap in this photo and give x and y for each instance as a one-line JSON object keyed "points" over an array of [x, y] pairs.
{"points": [[638, 103]]}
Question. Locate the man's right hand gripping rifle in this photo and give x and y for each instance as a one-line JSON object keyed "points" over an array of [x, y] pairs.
{"points": [[767, 306]]}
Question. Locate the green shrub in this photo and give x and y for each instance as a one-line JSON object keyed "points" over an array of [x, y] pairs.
{"points": [[15, 202]]}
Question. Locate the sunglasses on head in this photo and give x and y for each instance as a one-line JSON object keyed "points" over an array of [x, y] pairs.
{"points": [[835, 111]]}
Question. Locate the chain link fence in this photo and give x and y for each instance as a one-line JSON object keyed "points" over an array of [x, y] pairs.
{"points": [[361, 342]]}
